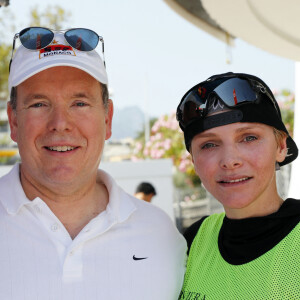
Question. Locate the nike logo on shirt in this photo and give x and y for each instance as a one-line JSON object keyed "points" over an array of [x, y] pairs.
{"points": [[138, 258]]}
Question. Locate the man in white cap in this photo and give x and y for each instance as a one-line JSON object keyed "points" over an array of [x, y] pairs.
{"points": [[67, 231]]}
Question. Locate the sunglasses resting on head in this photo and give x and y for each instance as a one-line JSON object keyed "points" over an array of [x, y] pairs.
{"points": [[37, 38], [242, 97], [232, 90]]}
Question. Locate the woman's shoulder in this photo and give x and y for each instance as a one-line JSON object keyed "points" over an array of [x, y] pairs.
{"points": [[192, 230]]}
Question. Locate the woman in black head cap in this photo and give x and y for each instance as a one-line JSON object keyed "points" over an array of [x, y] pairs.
{"points": [[234, 131]]}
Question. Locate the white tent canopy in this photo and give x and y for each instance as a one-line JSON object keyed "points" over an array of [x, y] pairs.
{"points": [[272, 25]]}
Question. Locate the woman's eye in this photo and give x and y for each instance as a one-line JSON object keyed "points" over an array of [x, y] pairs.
{"points": [[250, 138], [208, 146]]}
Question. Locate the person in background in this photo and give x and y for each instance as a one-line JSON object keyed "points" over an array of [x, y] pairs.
{"points": [[68, 231], [234, 131], [145, 191]]}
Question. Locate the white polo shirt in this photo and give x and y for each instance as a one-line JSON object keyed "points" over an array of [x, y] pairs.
{"points": [[132, 250]]}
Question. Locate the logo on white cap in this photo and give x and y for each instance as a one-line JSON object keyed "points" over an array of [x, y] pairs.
{"points": [[56, 49]]}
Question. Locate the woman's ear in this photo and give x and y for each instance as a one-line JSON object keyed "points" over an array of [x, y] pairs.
{"points": [[281, 149]]}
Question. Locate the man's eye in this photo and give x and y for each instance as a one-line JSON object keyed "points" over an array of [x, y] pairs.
{"points": [[80, 104], [36, 105]]}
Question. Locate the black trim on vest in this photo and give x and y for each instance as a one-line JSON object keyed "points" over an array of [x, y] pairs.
{"points": [[191, 232]]}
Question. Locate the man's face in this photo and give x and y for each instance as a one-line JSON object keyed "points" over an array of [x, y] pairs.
{"points": [[60, 125]]}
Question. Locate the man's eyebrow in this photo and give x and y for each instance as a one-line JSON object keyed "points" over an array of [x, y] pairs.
{"points": [[80, 95], [42, 96], [31, 97]]}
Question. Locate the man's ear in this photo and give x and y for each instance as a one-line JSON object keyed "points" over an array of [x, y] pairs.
{"points": [[13, 123], [108, 118]]}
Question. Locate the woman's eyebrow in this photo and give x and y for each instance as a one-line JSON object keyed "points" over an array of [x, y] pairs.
{"points": [[246, 128], [205, 135]]}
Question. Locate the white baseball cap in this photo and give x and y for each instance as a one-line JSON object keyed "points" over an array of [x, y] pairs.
{"points": [[27, 63]]}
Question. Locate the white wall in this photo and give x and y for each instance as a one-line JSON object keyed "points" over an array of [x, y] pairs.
{"points": [[129, 174]]}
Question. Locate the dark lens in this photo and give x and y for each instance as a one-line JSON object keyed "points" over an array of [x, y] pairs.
{"points": [[192, 105], [191, 111], [82, 39], [234, 91], [36, 37]]}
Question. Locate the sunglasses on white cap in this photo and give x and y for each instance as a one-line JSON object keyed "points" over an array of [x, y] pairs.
{"points": [[36, 38]]}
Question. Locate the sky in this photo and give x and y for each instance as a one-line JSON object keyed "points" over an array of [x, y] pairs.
{"points": [[153, 55]]}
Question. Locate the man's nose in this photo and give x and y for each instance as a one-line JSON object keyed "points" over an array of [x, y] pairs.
{"points": [[60, 120]]}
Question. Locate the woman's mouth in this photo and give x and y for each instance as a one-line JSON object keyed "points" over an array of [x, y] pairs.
{"points": [[232, 181]]}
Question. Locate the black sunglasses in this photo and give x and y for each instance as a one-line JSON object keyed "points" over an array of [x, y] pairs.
{"points": [[36, 38], [232, 90]]}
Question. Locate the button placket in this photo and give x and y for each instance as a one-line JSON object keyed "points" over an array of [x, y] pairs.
{"points": [[72, 268], [55, 229]]}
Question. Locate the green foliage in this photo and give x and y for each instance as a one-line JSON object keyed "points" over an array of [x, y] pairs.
{"points": [[6, 21], [5, 52]]}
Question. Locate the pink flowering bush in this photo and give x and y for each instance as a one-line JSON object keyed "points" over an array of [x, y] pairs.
{"points": [[166, 141]]}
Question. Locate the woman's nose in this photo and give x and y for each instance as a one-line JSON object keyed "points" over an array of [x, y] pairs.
{"points": [[230, 158]]}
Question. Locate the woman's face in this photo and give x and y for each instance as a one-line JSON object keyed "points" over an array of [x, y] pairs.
{"points": [[236, 164]]}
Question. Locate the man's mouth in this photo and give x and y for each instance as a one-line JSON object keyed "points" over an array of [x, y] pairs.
{"points": [[61, 148], [235, 180]]}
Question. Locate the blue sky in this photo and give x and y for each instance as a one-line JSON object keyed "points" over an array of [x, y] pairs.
{"points": [[153, 55]]}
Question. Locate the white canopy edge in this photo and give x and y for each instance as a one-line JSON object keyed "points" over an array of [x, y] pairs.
{"points": [[215, 32]]}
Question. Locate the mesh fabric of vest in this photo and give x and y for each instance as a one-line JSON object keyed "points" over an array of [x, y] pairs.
{"points": [[273, 275]]}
